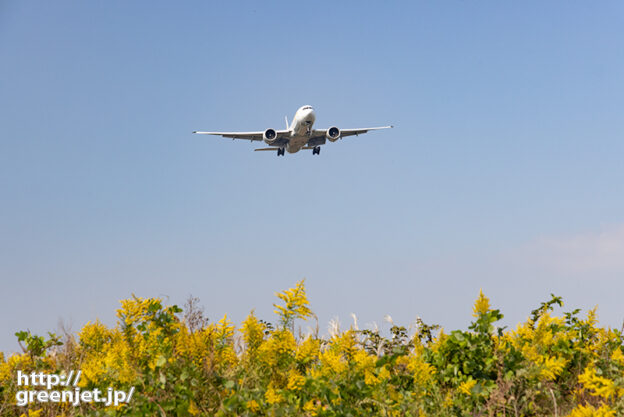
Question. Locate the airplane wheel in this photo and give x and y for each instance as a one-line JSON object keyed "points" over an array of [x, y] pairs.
{"points": [[280, 152], [316, 151]]}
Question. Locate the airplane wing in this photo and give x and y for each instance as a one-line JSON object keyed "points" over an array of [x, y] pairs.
{"points": [[318, 135], [351, 132], [245, 135]]}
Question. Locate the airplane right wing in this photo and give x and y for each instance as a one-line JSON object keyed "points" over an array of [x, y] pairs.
{"points": [[252, 136]]}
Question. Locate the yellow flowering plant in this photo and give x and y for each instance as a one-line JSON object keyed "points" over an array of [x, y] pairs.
{"points": [[295, 306], [185, 365]]}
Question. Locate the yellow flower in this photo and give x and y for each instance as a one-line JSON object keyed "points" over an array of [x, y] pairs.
{"points": [[295, 304], [482, 305], [278, 349], [439, 341], [225, 329], [332, 362], [312, 407], [272, 397], [33, 413], [589, 411], [384, 374], [370, 378], [618, 356], [193, 346], [295, 380], [552, 367], [110, 364], [524, 332], [466, 386], [137, 309], [421, 370], [363, 360], [94, 336], [531, 353], [308, 350], [592, 317], [22, 362], [253, 331], [448, 400], [601, 387], [193, 410], [345, 343], [252, 405]]}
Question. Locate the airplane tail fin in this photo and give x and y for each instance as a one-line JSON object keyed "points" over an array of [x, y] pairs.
{"points": [[286, 118]]}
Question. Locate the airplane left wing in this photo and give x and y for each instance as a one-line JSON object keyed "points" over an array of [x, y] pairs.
{"points": [[317, 134], [351, 132], [252, 136]]}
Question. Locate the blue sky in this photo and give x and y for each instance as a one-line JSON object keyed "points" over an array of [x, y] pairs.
{"points": [[504, 170]]}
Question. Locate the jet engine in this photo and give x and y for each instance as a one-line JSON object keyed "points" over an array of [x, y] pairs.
{"points": [[269, 136], [333, 134]]}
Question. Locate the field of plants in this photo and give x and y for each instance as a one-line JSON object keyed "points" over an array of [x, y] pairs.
{"points": [[182, 364]]}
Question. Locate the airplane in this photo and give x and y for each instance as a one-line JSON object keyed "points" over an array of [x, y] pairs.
{"points": [[298, 135]]}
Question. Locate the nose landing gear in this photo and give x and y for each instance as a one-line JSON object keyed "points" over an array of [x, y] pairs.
{"points": [[316, 150]]}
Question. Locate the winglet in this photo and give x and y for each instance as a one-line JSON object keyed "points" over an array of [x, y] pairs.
{"points": [[286, 118]]}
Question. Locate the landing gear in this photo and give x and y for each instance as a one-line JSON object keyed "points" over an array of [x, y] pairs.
{"points": [[280, 152], [316, 150]]}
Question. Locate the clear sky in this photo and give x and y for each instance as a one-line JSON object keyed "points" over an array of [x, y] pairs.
{"points": [[504, 171]]}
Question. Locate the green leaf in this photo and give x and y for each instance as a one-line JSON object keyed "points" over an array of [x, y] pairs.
{"points": [[161, 360]]}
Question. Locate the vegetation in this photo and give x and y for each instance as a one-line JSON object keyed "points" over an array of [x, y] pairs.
{"points": [[182, 364]]}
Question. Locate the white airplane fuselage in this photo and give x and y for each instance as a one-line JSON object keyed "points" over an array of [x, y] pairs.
{"points": [[300, 128]]}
